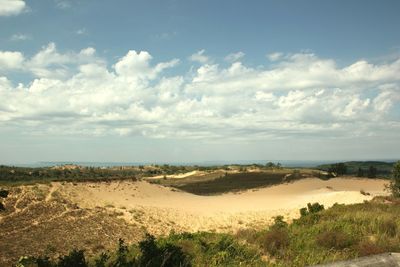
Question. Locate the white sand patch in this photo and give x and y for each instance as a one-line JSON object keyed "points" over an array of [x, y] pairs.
{"points": [[176, 176]]}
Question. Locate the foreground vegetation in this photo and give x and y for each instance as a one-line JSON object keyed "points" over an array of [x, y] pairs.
{"points": [[318, 236]]}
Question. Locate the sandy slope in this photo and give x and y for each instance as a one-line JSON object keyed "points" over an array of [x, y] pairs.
{"points": [[161, 209]]}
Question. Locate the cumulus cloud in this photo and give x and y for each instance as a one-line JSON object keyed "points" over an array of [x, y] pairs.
{"points": [[11, 7], [11, 60], [200, 57], [78, 93]]}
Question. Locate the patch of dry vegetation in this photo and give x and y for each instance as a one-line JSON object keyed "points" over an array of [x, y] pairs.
{"points": [[30, 225]]}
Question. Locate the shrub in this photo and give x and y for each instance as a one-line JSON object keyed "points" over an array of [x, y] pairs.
{"points": [[275, 240], [75, 258], [166, 255], [250, 235], [279, 222], [333, 239], [366, 247], [3, 193], [101, 260], [122, 251], [394, 185], [315, 207], [389, 227], [311, 209]]}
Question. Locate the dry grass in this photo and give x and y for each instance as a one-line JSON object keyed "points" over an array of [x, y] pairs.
{"points": [[32, 226]]}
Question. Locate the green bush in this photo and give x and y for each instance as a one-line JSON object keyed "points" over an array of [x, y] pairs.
{"points": [[311, 209], [75, 258], [279, 223], [165, 255], [101, 260], [394, 186]]}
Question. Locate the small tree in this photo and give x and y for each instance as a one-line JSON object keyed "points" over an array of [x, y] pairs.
{"points": [[394, 186]]}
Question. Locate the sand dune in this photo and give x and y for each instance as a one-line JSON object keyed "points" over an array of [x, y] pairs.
{"points": [[162, 209]]}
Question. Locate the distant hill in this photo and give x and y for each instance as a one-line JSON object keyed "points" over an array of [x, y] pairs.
{"points": [[363, 168]]}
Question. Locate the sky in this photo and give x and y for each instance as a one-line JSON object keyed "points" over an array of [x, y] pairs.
{"points": [[192, 81]]}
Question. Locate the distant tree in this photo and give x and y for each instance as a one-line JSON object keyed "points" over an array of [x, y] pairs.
{"points": [[339, 169], [372, 172], [394, 186], [360, 172], [270, 165]]}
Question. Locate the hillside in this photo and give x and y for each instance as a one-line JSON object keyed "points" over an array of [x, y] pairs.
{"points": [[54, 218]]}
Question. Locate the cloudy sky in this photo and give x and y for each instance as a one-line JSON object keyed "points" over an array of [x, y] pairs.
{"points": [[190, 81]]}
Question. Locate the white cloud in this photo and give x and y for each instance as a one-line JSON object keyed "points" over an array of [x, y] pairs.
{"points": [[19, 37], [135, 66], [200, 57], [11, 60], [11, 7], [76, 93], [234, 56], [48, 62]]}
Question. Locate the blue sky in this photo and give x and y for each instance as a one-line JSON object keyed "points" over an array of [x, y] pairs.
{"points": [[198, 80]]}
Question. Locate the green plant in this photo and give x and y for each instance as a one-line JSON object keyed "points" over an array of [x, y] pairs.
{"points": [[75, 258], [311, 208], [101, 260], [165, 255], [394, 185], [279, 222]]}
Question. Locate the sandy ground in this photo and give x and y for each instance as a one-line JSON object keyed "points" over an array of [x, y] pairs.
{"points": [[161, 209]]}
